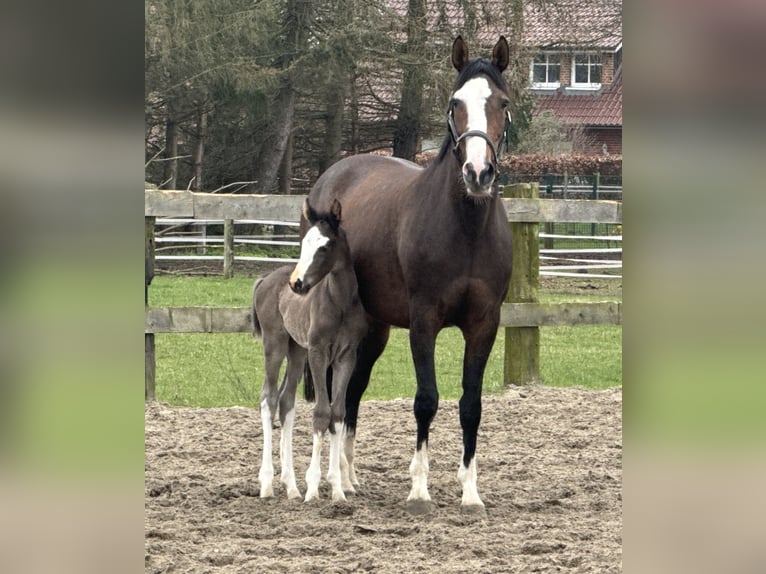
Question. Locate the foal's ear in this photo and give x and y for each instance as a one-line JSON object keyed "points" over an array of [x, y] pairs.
{"points": [[335, 209], [501, 54], [308, 212], [459, 53]]}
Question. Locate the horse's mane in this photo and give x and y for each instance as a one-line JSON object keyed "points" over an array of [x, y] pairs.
{"points": [[476, 67]]}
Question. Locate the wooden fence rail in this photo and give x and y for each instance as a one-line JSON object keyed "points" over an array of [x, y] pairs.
{"points": [[521, 315]]}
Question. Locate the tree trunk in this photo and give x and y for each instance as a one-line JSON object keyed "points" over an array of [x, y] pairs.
{"points": [[296, 21], [286, 168], [170, 176], [275, 144], [408, 123], [199, 149], [333, 140]]}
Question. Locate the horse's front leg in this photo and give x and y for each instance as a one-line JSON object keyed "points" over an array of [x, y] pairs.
{"points": [[479, 339], [321, 421], [422, 342], [340, 481], [296, 359]]}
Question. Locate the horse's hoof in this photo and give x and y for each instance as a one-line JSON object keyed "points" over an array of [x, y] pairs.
{"points": [[267, 492], [418, 507], [292, 494], [311, 496], [340, 497], [474, 509]]}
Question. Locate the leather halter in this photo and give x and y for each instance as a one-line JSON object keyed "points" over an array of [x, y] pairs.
{"points": [[456, 139]]}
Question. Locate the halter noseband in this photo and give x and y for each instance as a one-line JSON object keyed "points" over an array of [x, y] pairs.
{"points": [[456, 139]]}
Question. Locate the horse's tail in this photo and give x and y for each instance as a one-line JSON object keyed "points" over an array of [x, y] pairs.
{"points": [[309, 392], [256, 324]]}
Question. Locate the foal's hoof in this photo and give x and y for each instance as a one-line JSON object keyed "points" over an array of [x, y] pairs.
{"points": [[474, 509], [418, 507]]}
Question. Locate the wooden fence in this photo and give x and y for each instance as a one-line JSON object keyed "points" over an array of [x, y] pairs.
{"points": [[521, 315]]}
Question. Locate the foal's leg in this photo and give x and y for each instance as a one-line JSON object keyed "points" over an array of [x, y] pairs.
{"points": [[296, 358], [479, 339], [369, 350], [423, 332], [342, 369], [318, 365], [274, 351]]}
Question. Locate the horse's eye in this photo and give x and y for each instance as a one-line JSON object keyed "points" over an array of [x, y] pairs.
{"points": [[504, 104]]}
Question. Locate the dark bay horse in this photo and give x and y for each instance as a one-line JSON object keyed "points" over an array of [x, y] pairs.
{"points": [[309, 311], [432, 249]]}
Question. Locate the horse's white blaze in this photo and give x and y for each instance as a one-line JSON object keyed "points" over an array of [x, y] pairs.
{"points": [[314, 472], [309, 247], [266, 474], [286, 456], [333, 470], [468, 477], [419, 474], [474, 94]]}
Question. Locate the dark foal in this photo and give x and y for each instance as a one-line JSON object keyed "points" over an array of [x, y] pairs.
{"points": [[432, 249], [309, 312]]}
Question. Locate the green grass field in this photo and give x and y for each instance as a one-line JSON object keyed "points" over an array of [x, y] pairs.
{"points": [[227, 369]]}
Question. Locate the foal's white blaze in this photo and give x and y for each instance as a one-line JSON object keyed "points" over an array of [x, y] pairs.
{"points": [[309, 247], [266, 474], [474, 94], [468, 478], [419, 474]]}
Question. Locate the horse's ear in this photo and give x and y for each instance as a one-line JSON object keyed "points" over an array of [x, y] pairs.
{"points": [[459, 53], [335, 209], [501, 54], [308, 212]]}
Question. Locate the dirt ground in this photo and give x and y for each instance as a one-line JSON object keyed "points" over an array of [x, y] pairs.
{"points": [[550, 474]]}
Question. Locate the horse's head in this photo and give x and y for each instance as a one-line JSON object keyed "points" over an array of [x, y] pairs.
{"points": [[319, 248], [479, 114]]}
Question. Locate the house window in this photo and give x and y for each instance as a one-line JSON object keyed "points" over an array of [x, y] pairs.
{"points": [[545, 71], [586, 71]]}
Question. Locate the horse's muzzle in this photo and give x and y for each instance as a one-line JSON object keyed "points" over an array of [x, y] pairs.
{"points": [[299, 287]]}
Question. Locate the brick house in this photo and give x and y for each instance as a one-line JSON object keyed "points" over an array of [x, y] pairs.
{"points": [[576, 70], [574, 54]]}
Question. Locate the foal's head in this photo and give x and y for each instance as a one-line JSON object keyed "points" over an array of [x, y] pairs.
{"points": [[478, 114], [320, 247]]}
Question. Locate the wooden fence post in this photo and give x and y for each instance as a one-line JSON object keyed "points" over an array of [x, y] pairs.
{"points": [[228, 248], [522, 344], [149, 358]]}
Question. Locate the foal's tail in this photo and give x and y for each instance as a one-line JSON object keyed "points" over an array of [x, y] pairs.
{"points": [[309, 392], [256, 324]]}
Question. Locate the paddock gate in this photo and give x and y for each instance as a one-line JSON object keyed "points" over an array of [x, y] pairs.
{"points": [[522, 314]]}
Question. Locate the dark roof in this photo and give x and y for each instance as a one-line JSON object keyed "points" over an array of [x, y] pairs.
{"points": [[600, 108]]}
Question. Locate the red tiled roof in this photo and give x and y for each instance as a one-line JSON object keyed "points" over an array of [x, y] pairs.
{"points": [[563, 23], [601, 108], [574, 23]]}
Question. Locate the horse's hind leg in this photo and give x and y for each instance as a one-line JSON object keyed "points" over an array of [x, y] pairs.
{"points": [[295, 360], [274, 350], [369, 350]]}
